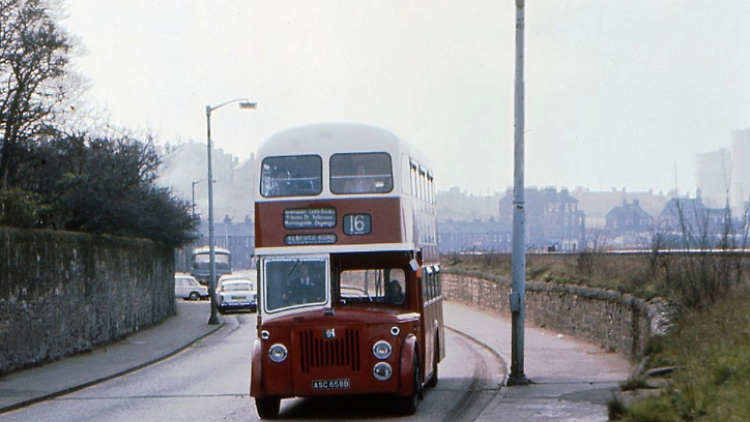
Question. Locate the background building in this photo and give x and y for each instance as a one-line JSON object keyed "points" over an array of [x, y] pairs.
{"points": [[740, 173], [713, 173], [629, 225], [475, 236], [185, 171], [553, 221], [596, 205]]}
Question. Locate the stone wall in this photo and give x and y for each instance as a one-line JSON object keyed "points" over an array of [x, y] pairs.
{"points": [[614, 321], [63, 293]]}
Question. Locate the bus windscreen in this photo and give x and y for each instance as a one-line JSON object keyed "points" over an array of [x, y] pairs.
{"points": [[293, 283]]}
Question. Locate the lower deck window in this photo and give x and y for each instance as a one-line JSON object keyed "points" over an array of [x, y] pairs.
{"points": [[374, 285]]}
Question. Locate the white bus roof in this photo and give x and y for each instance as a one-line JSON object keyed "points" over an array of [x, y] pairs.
{"points": [[206, 249], [326, 139]]}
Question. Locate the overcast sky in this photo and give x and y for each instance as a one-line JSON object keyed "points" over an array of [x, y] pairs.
{"points": [[619, 93]]}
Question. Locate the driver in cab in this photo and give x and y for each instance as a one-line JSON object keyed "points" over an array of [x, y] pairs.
{"points": [[305, 288]]}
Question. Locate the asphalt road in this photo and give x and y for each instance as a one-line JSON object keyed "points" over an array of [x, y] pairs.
{"points": [[210, 381], [187, 370]]}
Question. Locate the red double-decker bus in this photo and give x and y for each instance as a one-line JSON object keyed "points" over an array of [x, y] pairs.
{"points": [[348, 273]]}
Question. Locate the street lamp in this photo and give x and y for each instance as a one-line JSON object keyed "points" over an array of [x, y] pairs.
{"points": [[244, 104], [195, 183]]}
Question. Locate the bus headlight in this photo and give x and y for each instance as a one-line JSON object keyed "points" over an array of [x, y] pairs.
{"points": [[382, 350], [277, 353], [382, 371]]}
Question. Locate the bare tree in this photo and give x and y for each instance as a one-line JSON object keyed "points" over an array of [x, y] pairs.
{"points": [[596, 243], [55, 175], [707, 266], [33, 56]]}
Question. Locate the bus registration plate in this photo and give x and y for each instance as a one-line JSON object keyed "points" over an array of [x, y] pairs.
{"points": [[330, 384]]}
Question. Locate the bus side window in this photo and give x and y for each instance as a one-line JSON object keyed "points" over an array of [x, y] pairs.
{"points": [[430, 188], [413, 178], [431, 283], [422, 184], [431, 277], [437, 281], [405, 175]]}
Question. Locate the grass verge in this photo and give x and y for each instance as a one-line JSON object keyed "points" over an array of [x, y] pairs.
{"points": [[712, 348], [709, 341]]}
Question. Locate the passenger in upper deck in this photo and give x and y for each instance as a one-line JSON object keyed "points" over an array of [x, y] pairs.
{"points": [[360, 182], [280, 184]]}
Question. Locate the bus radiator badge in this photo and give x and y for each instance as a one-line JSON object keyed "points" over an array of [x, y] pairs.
{"points": [[329, 333]]}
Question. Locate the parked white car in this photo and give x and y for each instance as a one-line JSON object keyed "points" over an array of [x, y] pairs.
{"points": [[236, 292], [188, 288]]}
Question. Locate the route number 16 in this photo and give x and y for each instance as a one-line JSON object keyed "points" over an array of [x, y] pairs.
{"points": [[357, 224]]}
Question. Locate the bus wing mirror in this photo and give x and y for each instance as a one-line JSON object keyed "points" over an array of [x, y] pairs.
{"points": [[414, 265]]}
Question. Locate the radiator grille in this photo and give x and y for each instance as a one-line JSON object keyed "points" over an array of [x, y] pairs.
{"points": [[318, 352]]}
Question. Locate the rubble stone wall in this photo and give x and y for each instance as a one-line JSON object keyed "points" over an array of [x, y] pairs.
{"points": [[63, 293], [611, 320]]}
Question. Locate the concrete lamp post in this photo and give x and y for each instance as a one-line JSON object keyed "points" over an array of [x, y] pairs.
{"points": [[244, 104], [518, 287]]}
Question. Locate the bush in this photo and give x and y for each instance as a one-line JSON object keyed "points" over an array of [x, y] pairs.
{"points": [[98, 186], [18, 208]]}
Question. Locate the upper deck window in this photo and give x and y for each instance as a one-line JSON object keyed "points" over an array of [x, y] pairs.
{"points": [[292, 175], [361, 173]]}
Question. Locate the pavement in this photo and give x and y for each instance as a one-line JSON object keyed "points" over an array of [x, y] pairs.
{"points": [[22, 388], [570, 380]]}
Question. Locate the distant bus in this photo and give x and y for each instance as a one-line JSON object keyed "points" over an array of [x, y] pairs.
{"points": [[348, 274], [201, 263]]}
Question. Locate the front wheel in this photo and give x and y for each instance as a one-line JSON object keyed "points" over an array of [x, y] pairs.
{"points": [[268, 408], [409, 404], [195, 296]]}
